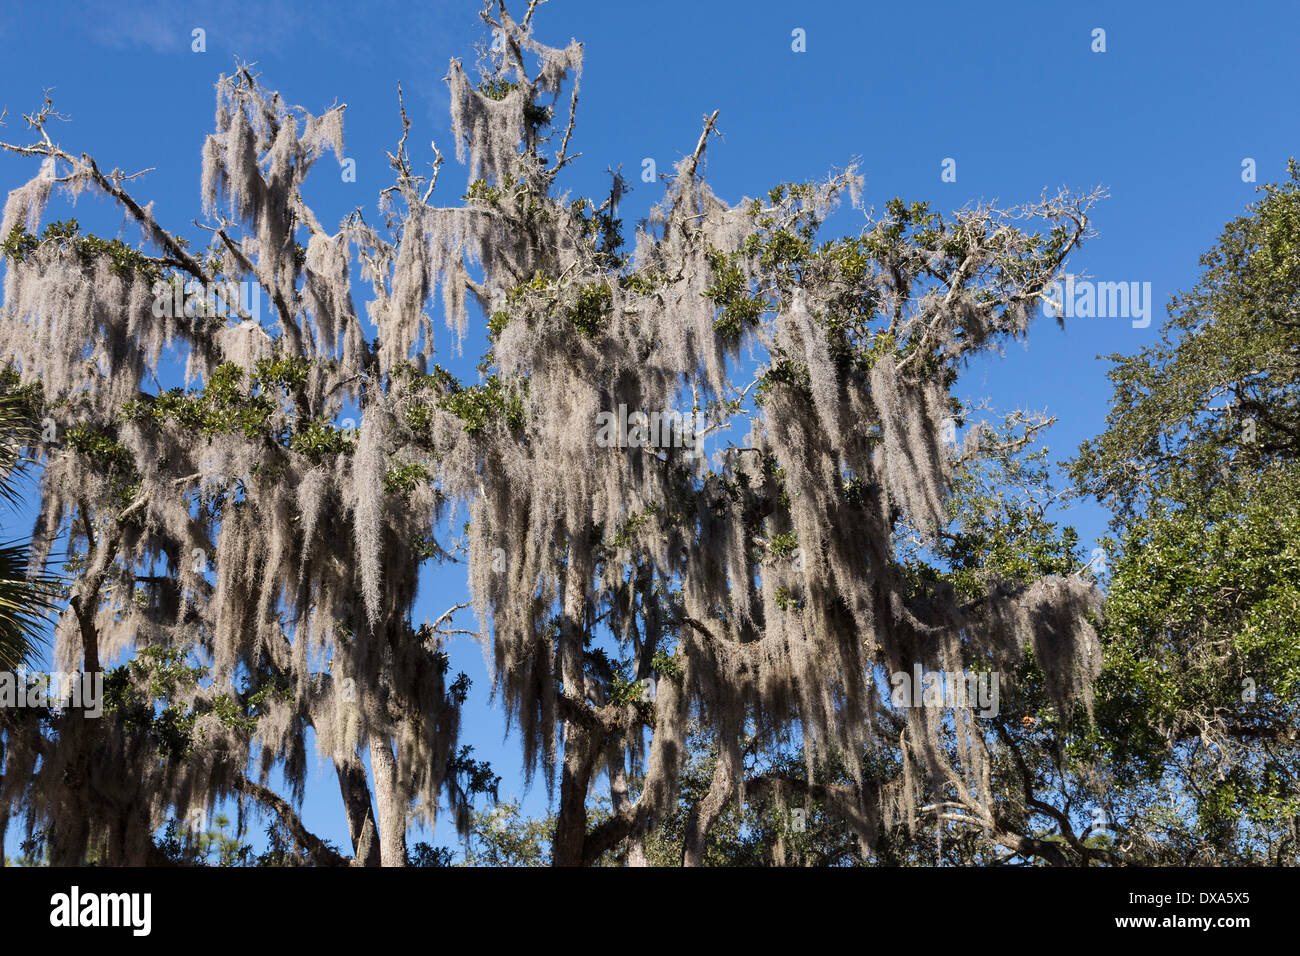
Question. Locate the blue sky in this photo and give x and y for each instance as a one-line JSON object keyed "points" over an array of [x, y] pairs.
{"points": [[1012, 91]]}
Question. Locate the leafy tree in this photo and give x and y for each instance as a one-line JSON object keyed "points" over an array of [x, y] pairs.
{"points": [[502, 836], [1199, 465]]}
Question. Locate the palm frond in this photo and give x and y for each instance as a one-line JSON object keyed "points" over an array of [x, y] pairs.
{"points": [[17, 431], [24, 596]]}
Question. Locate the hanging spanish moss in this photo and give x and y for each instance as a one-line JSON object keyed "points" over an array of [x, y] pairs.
{"points": [[240, 524]]}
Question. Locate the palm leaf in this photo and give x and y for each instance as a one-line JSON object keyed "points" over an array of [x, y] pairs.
{"points": [[24, 596], [17, 431]]}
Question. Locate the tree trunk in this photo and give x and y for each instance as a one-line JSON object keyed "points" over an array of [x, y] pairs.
{"points": [[633, 845], [391, 806], [579, 748], [636, 852], [361, 818], [705, 813]]}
